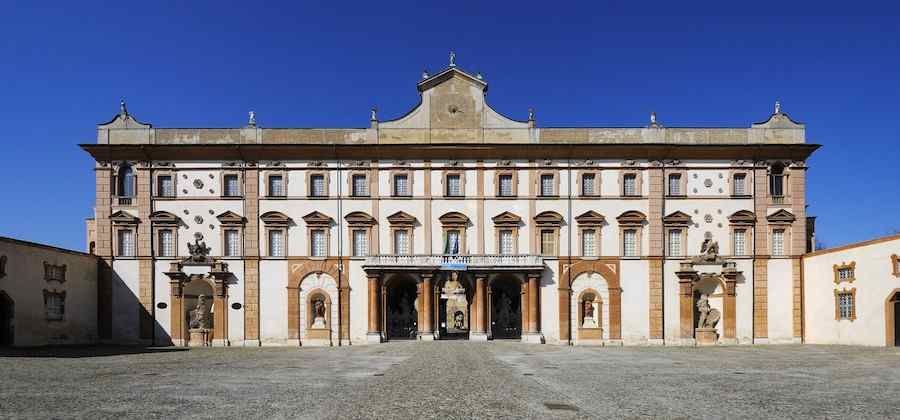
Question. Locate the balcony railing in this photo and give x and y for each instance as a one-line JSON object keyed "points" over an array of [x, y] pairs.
{"points": [[454, 262]]}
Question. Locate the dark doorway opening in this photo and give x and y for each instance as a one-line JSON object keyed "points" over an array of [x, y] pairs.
{"points": [[897, 319], [401, 315], [506, 309], [7, 314]]}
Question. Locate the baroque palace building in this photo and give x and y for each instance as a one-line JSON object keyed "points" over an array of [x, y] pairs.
{"points": [[452, 221]]}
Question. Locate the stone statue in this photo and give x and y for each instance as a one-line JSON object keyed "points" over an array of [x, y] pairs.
{"points": [[709, 250], [318, 311], [200, 318], [252, 121], [198, 250], [530, 114], [709, 317], [588, 320], [777, 107], [425, 74], [374, 116], [452, 59], [652, 118]]}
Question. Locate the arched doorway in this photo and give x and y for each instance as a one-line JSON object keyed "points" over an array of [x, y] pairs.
{"points": [[892, 319], [7, 315], [401, 316], [506, 308]]}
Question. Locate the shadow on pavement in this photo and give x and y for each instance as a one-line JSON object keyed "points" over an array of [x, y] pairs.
{"points": [[82, 351]]}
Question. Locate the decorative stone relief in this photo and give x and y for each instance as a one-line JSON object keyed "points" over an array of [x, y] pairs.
{"points": [[198, 184], [198, 219], [707, 183], [708, 218]]}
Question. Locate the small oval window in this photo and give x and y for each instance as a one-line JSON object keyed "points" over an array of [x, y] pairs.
{"points": [[236, 306], [162, 305]]}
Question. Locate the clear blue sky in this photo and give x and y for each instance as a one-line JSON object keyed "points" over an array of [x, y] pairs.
{"points": [[63, 68]]}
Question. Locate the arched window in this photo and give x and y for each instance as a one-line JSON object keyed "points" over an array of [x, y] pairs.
{"points": [[125, 187]]}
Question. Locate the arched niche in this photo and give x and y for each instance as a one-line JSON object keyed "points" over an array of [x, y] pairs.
{"points": [[318, 287], [714, 289], [590, 288]]}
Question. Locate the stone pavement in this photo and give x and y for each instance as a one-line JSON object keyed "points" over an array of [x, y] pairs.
{"points": [[452, 380]]}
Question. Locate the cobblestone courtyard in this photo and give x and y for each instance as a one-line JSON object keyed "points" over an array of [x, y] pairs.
{"points": [[452, 380]]}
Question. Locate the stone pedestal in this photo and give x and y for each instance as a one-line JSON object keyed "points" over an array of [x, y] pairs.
{"points": [[706, 336], [478, 336], [373, 338], [317, 337], [534, 338], [425, 336], [200, 337]]}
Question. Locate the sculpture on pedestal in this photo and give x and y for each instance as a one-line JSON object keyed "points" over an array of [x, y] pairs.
{"points": [[200, 318], [199, 251], [709, 251], [588, 320], [709, 317], [318, 312]]}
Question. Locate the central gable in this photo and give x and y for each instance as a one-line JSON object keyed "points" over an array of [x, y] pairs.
{"points": [[452, 100]]}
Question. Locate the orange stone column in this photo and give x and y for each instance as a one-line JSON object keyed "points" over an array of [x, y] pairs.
{"points": [[479, 322], [176, 301], [533, 334], [426, 299], [374, 333], [686, 278], [729, 305], [220, 275]]}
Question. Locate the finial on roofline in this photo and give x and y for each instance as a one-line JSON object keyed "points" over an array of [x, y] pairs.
{"points": [[425, 74], [374, 116], [123, 110], [452, 59], [777, 107], [479, 76], [531, 114], [252, 120]]}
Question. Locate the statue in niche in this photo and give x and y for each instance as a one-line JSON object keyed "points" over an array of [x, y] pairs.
{"points": [[454, 295], [709, 317], [318, 312], [200, 315], [588, 321], [198, 250]]}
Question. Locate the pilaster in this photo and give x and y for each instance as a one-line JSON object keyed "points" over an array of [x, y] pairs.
{"points": [[251, 257]]}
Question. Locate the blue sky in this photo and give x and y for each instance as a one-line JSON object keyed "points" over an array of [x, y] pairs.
{"points": [[63, 68]]}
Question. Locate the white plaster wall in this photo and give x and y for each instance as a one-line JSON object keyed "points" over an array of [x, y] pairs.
{"points": [[744, 302], [635, 301], [273, 302], [874, 284], [359, 302], [162, 293], [125, 302], [549, 302], [780, 295], [671, 302], [236, 295]]}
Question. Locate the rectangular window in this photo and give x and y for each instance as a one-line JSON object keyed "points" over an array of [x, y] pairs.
{"points": [[675, 242], [276, 186], [360, 186], [548, 242], [126, 243], [740, 242], [319, 245], [360, 243], [276, 243], [506, 242], [675, 184], [505, 189], [454, 186], [778, 242], [317, 185], [845, 305], [629, 185], [588, 243], [776, 183], [232, 243], [452, 242], [845, 273], [401, 186], [55, 306], [740, 184], [165, 186], [588, 187], [629, 243], [166, 243], [547, 185], [401, 242], [231, 187]]}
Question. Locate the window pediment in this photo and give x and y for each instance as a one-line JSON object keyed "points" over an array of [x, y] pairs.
{"points": [[359, 218], [231, 218], [548, 218], [454, 219], [401, 218], [742, 217], [677, 218], [317, 219], [122, 217], [164, 218], [590, 217], [507, 219], [781, 216], [275, 218], [631, 217]]}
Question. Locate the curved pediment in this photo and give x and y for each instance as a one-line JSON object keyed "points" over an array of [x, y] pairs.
{"points": [[317, 218], [164, 218], [230, 218], [548, 218], [401, 218], [631, 217], [454, 218], [359, 218], [742, 217], [781, 216], [590, 217], [124, 218], [677, 218], [507, 218], [275, 218]]}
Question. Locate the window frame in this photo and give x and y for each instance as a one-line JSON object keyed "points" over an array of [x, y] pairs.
{"points": [[838, 316], [409, 239], [462, 183], [354, 175], [681, 183], [284, 241], [747, 184], [55, 294], [838, 268], [579, 183], [284, 184], [409, 183], [553, 175], [367, 233], [325, 181], [157, 184], [326, 238], [638, 187], [682, 241], [514, 180], [118, 242], [223, 179]]}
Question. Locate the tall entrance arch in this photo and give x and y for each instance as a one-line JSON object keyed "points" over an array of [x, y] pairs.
{"points": [[892, 319], [506, 302], [7, 315], [401, 302]]}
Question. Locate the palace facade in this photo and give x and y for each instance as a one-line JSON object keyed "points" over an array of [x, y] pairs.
{"points": [[452, 221]]}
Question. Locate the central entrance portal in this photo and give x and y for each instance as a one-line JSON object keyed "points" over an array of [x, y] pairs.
{"points": [[453, 307], [506, 309], [401, 316]]}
